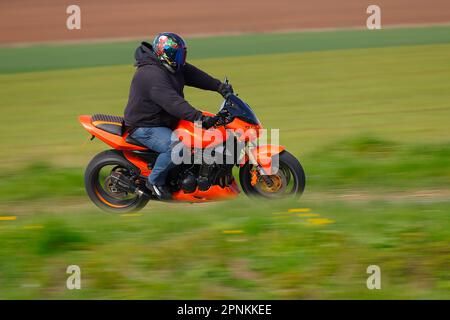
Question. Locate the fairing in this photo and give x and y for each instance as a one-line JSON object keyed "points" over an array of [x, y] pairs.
{"points": [[115, 141], [196, 137], [264, 156]]}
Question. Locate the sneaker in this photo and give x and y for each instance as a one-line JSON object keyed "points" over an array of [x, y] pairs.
{"points": [[162, 192]]}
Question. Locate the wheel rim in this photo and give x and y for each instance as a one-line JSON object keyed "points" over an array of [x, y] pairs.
{"points": [[283, 183], [107, 192]]}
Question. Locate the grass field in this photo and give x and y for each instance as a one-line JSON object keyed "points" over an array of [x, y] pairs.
{"points": [[367, 114]]}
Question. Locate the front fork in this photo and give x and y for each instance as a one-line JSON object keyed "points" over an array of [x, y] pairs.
{"points": [[253, 160]]}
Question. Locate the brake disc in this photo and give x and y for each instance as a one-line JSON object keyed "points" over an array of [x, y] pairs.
{"points": [[279, 184]]}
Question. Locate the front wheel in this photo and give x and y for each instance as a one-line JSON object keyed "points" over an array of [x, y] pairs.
{"points": [[288, 181], [101, 188]]}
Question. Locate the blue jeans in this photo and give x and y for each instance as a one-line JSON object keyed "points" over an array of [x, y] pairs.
{"points": [[158, 139]]}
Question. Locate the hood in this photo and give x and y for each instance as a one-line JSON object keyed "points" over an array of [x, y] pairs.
{"points": [[144, 55]]}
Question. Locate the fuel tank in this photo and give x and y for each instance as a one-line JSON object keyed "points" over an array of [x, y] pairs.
{"points": [[196, 137]]}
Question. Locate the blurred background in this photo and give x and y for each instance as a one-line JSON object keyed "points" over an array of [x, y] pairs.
{"points": [[367, 112]]}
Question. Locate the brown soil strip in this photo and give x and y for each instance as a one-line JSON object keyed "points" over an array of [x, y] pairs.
{"points": [[45, 20]]}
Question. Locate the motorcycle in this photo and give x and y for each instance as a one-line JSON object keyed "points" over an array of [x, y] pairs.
{"points": [[115, 179]]}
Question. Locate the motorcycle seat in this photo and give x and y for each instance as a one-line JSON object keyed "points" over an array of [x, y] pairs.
{"points": [[108, 123], [114, 125]]}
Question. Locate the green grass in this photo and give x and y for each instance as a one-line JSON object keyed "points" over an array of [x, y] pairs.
{"points": [[367, 122], [41, 180], [362, 162], [64, 56], [314, 98], [169, 253], [370, 163]]}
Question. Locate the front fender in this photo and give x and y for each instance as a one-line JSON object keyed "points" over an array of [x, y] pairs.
{"points": [[263, 155]]}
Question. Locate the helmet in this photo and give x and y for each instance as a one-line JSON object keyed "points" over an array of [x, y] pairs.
{"points": [[171, 49]]}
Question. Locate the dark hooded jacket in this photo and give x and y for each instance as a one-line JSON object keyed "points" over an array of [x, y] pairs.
{"points": [[156, 95]]}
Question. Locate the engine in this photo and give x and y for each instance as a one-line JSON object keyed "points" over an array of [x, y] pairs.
{"points": [[203, 177], [204, 172], [188, 182]]}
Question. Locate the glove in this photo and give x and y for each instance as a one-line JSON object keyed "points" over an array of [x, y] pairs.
{"points": [[224, 113], [208, 122], [225, 89]]}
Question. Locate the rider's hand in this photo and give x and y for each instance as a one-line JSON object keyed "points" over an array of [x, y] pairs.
{"points": [[225, 89], [208, 122], [223, 113]]}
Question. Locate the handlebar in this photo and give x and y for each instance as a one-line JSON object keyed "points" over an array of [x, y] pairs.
{"points": [[224, 115]]}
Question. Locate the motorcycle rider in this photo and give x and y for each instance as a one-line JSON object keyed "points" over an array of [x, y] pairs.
{"points": [[156, 101]]}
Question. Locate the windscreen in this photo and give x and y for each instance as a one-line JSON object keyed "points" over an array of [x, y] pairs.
{"points": [[240, 109]]}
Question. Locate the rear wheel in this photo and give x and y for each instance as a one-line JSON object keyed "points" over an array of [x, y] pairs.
{"points": [[102, 189], [288, 181]]}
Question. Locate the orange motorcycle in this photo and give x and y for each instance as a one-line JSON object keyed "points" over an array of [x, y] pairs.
{"points": [[115, 179]]}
